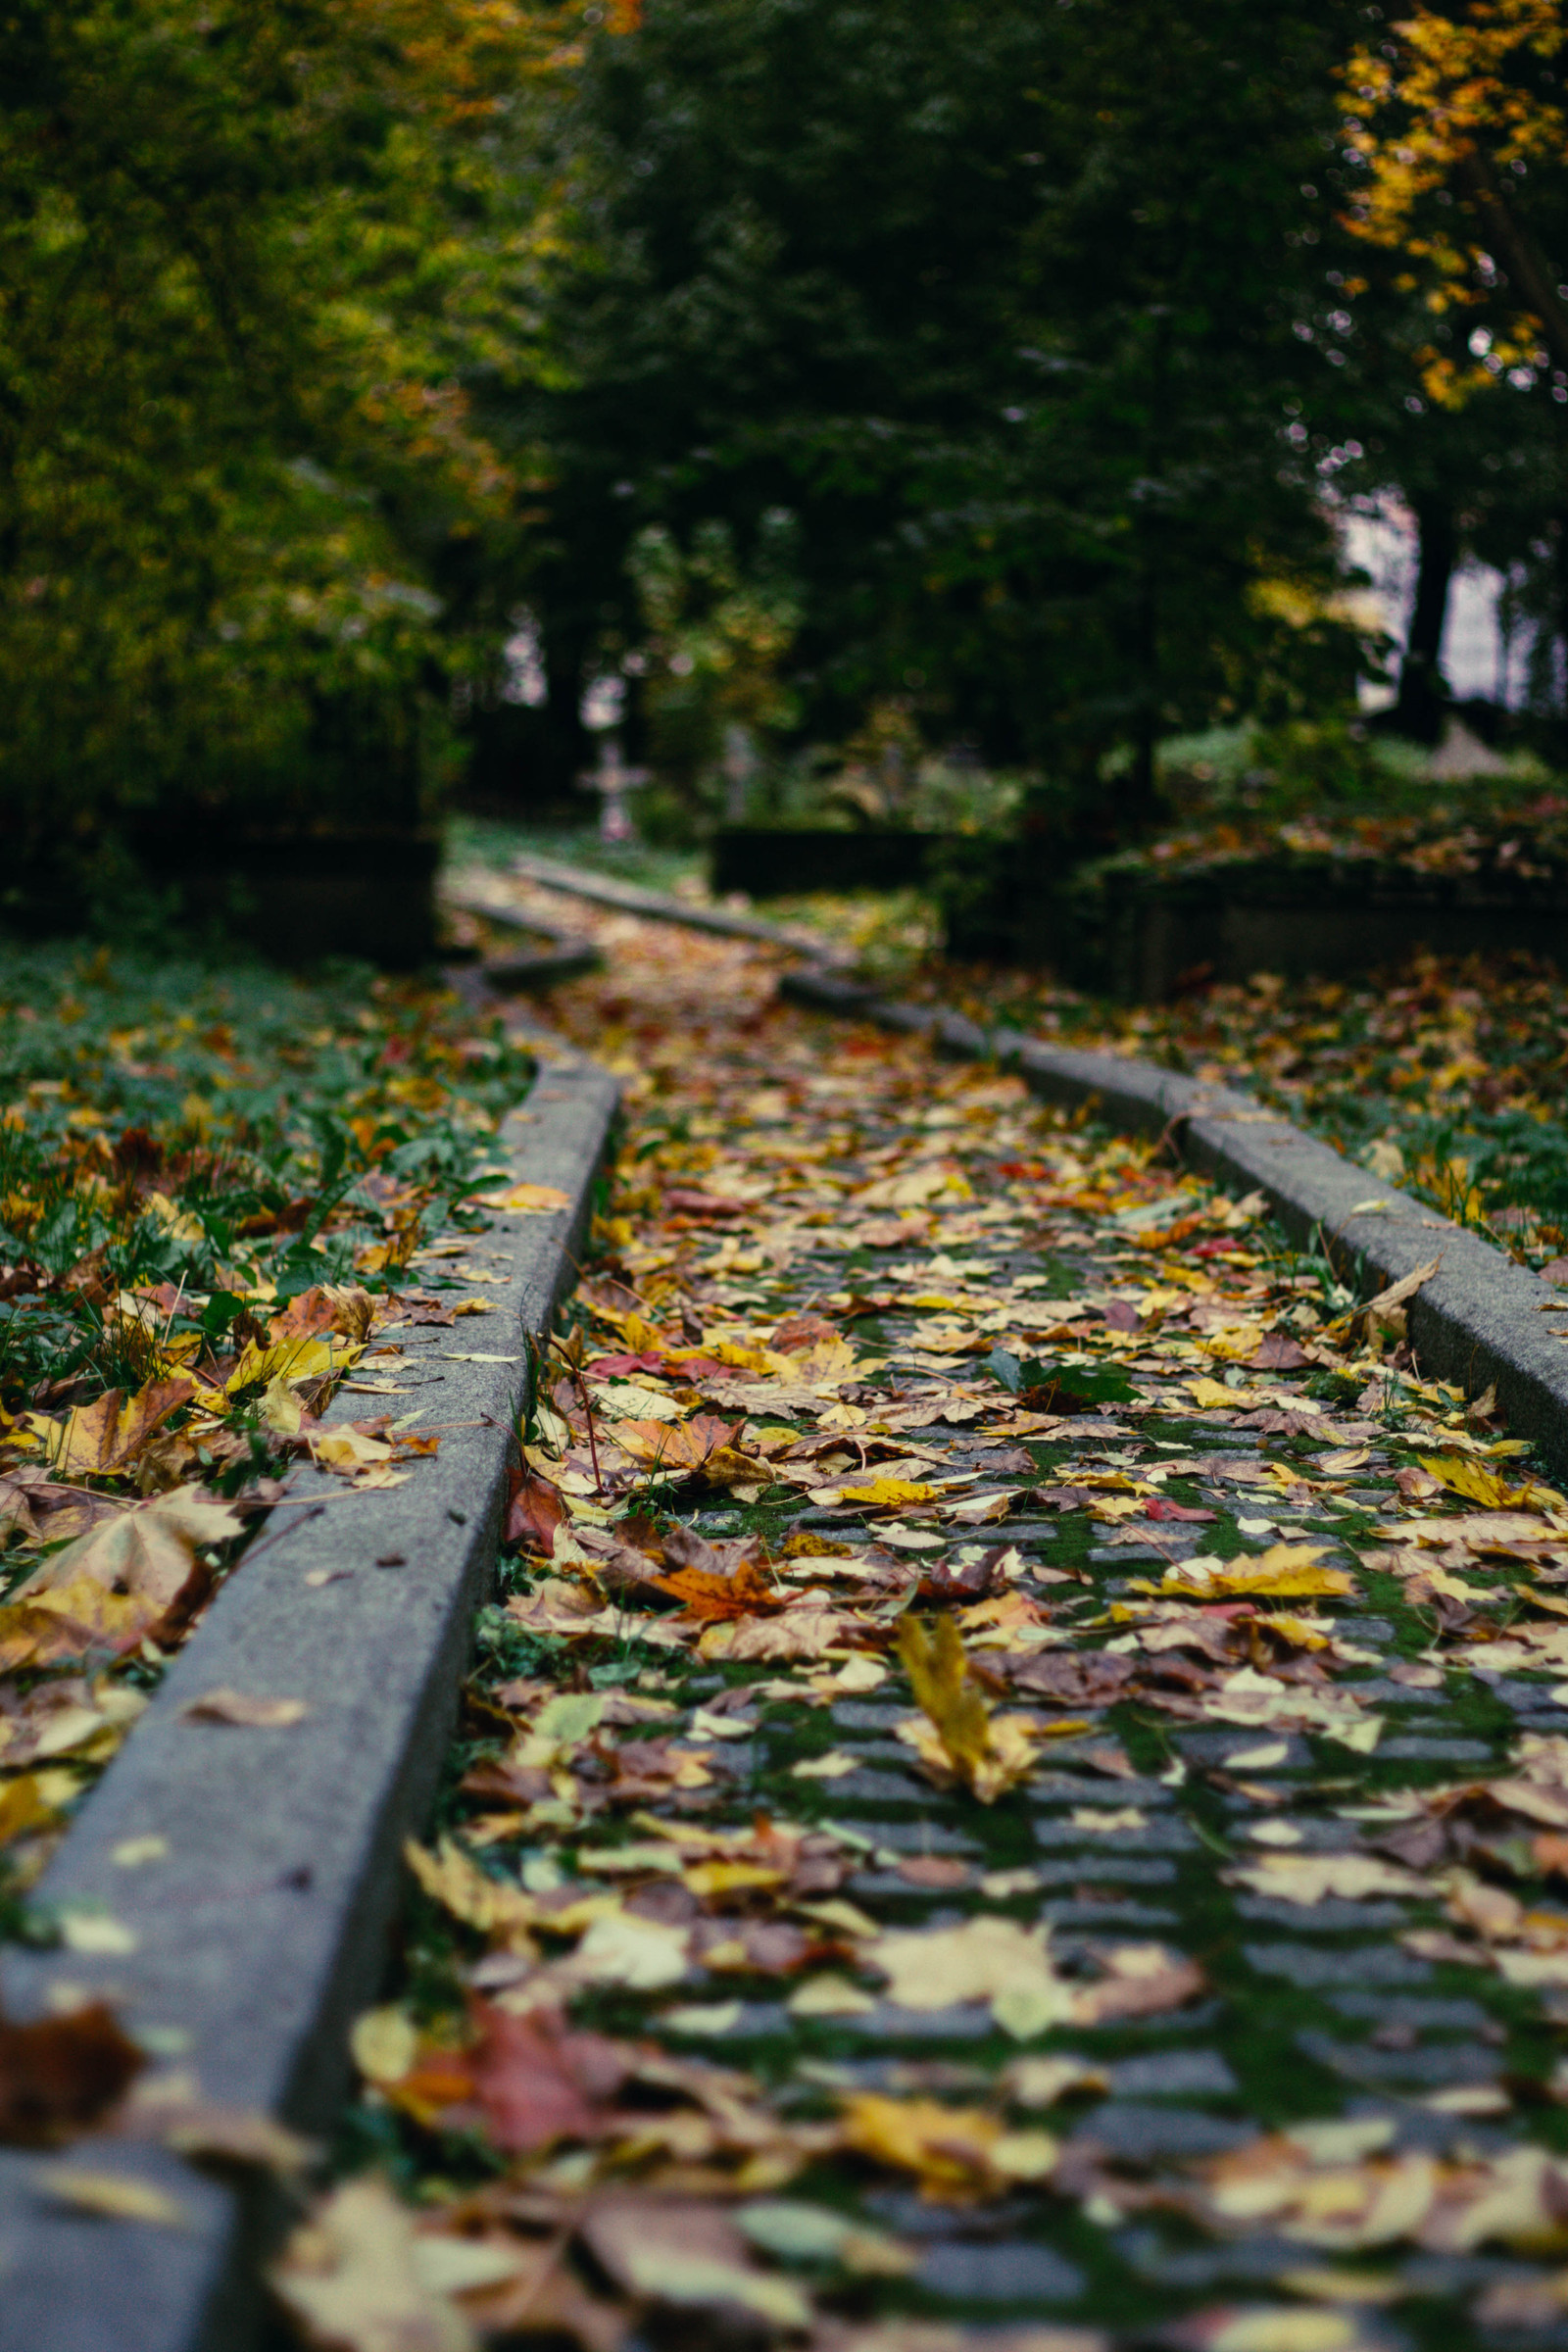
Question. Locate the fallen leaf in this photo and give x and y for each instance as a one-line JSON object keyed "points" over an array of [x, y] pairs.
{"points": [[462, 1887], [834, 1766], [147, 1552], [1463, 1475], [889, 1494], [957, 2153], [690, 2256], [1306, 1878], [1386, 1313], [23, 1808], [71, 1621], [59, 2076], [798, 1632], [325, 1307], [989, 1958], [113, 2196], [800, 2233], [1285, 1572], [246, 1710], [537, 2081], [683, 1449], [829, 1996], [524, 1200], [990, 1755], [289, 1360], [643, 1955], [103, 1440], [348, 2277], [535, 1510], [1141, 1979], [348, 1450]]}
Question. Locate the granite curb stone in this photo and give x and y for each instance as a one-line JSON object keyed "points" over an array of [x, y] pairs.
{"points": [[1478, 1321], [625, 898], [566, 957], [255, 1939]]}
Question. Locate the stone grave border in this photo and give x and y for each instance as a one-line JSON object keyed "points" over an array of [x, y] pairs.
{"points": [[1481, 1320], [654, 907], [564, 956], [244, 1950]]}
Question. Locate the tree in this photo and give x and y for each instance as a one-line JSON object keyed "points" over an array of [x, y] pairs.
{"points": [[1458, 139], [997, 305], [248, 250], [1464, 140]]}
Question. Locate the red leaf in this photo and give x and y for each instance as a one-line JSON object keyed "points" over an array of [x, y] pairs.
{"points": [[1160, 1508], [534, 1510], [536, 2083], [683, 1201], [59, 2076], [1278, 1352]]}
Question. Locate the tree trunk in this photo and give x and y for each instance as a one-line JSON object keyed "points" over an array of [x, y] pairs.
{"points": [[1423, 691], [1533, 280]]}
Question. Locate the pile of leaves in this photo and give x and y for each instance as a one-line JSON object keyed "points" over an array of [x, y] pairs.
{"points": [[218, 1193], [947, 1534], [1503, 836], [1443, 1074]]}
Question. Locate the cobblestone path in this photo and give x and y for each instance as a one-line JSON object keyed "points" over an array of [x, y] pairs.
{"points": [[1020, 1780]]}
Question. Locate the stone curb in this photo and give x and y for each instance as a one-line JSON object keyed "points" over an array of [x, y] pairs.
{"points": [[1478, 1321], [264, 1929], [567, 957], [601, 890]]}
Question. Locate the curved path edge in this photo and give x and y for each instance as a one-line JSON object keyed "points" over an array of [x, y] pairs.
{"points": [[1480, 1321], [253, 1942]]}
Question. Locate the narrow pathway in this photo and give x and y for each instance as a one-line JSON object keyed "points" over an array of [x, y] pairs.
{"points": [[1020, 1779]]}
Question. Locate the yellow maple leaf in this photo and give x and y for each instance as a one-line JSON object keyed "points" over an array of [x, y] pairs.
{"points": [[349, 1450], [891, 1494], [1462, 1475], [914, 1190], [310, 1358], [1214, 1396], [955, 2152], [524, 1200], [102, 1440], [1285, 1572], [989, 1754], [24, 1807], [462, 1887]]}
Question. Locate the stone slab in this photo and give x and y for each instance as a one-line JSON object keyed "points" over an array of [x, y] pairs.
{"points": [[264, 1930], [1478, 1321], [603, 890], [564, 956]]}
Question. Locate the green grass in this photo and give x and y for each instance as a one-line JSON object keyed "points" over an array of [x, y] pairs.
{"points": [[228, 1132]]}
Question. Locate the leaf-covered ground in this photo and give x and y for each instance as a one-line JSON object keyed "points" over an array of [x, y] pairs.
{"points": [[217, 1191], [1447, 1073], [1018, 1780]]}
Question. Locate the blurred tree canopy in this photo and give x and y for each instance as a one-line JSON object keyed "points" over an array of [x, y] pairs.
{"points": [[249, 251], [995, 371], [998, 302], [1057, 328]]}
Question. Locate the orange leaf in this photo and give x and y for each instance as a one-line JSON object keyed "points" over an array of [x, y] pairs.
{"points": [[713, 1597], [683, 1448]]}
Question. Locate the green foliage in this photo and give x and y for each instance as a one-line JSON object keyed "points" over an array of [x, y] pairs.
{"points": [[716, 637], [1002, 315], [248, 252], [231, 1133]]}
